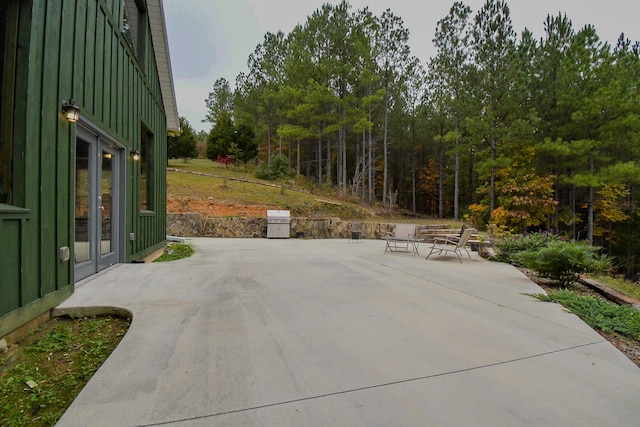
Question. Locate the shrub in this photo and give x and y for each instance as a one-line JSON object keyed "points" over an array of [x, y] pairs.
{"points": [[563, 261], [279, 169], [509, 246]]}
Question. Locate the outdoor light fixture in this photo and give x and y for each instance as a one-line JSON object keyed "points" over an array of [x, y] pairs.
{"points": [[71, 111], [135, 155]]}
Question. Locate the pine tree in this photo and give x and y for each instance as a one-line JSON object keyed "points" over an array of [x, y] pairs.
{"points": [[184, 144]]}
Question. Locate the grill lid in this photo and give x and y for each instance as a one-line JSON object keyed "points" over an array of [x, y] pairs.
{"points": [[276, 213]]}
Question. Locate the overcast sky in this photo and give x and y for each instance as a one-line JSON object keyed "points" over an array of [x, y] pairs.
{"points": [[209, 39]]}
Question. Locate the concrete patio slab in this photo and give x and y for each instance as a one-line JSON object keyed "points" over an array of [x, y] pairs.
{"points": [[322, 332]]}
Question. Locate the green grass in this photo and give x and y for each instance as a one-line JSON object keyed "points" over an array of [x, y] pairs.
{"points": [[599, 314], [187, 185], [47, 369], [212, 168], [175, 251]]}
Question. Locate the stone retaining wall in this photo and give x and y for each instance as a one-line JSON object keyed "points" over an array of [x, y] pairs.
{"points": [[197, 225]]}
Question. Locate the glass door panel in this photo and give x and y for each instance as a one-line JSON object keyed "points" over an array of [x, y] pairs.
{"points": [[105, 202], [108, 203], [83, 214]]}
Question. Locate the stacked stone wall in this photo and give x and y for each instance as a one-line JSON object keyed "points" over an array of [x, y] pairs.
{"points": [[198, 225]]}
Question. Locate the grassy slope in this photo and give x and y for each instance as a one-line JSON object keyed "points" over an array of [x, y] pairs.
{"points": [[300, 203]]}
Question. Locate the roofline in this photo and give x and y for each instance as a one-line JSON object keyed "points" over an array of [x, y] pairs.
{"points": [[163, 62]]}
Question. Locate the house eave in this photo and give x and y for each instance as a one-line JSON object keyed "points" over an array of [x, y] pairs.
{"points": [[161, 47]]}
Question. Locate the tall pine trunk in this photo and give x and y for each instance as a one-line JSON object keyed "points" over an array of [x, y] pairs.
{"points": [[329, 168], [319, 162], [371, 169], [590, 204], [456, 172], [492, 185], [385, 166]]}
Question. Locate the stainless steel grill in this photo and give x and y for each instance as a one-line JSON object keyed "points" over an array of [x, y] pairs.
{"points": [[278, 224]]}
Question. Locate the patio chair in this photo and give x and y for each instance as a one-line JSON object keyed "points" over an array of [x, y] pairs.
{"points": [[355, 231], [403, 239], [452, 244]]}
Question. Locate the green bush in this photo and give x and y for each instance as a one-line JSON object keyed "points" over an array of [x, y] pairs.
{"points": [[508, 247], [563, 261], [599, 314], [279, 169]]}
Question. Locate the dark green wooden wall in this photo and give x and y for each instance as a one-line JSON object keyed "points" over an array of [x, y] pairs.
{"points": [[73, 49]]}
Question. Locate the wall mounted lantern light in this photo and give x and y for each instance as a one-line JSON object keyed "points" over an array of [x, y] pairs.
{"points": [[71, 111], [135, 155]]}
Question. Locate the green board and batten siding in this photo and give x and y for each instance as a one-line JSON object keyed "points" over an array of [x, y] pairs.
{"points": [[73, 49]]}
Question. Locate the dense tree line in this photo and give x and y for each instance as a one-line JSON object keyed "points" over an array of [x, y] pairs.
{"points": [[498, 128]]}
